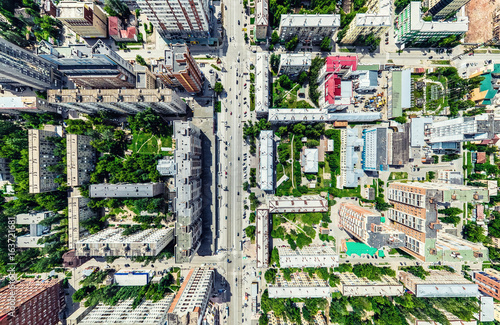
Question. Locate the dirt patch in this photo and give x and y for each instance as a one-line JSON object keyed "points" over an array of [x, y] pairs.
{"points": [[480, 13]]}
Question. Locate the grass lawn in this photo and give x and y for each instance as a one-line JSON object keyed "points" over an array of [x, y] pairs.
{"points": [[398, 175], [440, 62], [147, 143]]}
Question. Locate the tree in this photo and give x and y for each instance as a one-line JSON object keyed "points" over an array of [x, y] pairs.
{"points": [[400, 119], [218, 88], [275, 39], [275, 62], [474, 232], [450, 211], [119, 7], [250, 232], [303, 77], [285, 82], [326, 44], [270, 275], [140, 60], [292, 44]]}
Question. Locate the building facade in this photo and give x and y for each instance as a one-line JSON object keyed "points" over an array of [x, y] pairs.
{"points": [[78, 211], [301, 285], [81, 159], [20, 67], [309, 29], [179, 69], [488, 282], [377, 20], [292, 64], [41, 156], [266, 160], [107, 190], [84, 18], [375, 155], [188, 196], [261, 19], [445, 8], [439, 284], [36, 230]]}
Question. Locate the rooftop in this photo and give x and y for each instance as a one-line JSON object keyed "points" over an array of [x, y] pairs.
{"points": [[354, 286], [310, 256], [262, 83], [288, 115], [310, 160], [262, 14], [114, 236], [301, 285], [266, 160], [461, 25], [295, 59], [314, 20], [289, 204]]}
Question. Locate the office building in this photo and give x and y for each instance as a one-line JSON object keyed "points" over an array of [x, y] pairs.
{"points": [[488, 282], [411, 28], [35, 302], [121, 101], [334, 83], [375, 149], [96, 66], [86, 19], [303, 204], [301, 285], [188, 195], [398, 92], [309, 29], [261, 19], [78, 211], [133, 278], [352, 286], [107, 190], [414, 212], [314, 115], [262, 84], [262, 237], [110, 242], [81, 159], [439, 284], [461, 129], [146, 313], [376, 21], [190, 302], [41, 156], [179, 69], [266, 160], [20, 67], [292, 64], [369, 227], [178, 21], [309, 256], [310, 161], [36, 230], [445, 8]]}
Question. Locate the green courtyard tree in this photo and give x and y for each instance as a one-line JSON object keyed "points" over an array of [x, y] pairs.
{"points": [[218, 88], [326, 44], [275, 39], [292, 44], [140, 60]]}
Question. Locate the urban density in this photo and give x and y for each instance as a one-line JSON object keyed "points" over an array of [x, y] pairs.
{"points": [[214, 162]]}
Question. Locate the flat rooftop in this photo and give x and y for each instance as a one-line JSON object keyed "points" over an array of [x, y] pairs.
{"points": [[310, 256], [289, 204], [354, 286], [314, 20]]}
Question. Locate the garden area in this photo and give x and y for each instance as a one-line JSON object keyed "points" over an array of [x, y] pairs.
{"points": [[285, 92], [148, 143]]}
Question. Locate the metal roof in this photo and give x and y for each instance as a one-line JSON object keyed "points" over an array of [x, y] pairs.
{"points": [[266, 161]]}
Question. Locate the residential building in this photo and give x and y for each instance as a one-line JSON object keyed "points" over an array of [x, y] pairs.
{"points": [[86, 19], [415, 212], [266, 160], [398, 92], [445, 8], [179, 69], [375, 149], [166, 166], [107, 190], [411, 28], [262, 237], [110, 242], [121, 101], [261, 19], [20, 67], [292, 64], [177, 21], [350, 171], [36, 230], [188, 196], [262, 84], [335, 87], [369, 227], [303, 204], [78, 211], [41, 156], [450, 177], [352, 286], [133, 278], [118, 33], [146, 313], [301, 285], [190, 302], [488, 282], [376, 21], [144, 78], [309, 29], [309, 256], [310, 161], [81, 159], [314, 115], [461, 129], [5, 175], [96, 66], [35, 302], [439, 284]]}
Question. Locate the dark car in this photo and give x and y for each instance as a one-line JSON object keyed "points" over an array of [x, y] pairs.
{"points": [[127, 265]]}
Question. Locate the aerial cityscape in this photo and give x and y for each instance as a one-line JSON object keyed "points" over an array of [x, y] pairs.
{"points": [[284, 162]]}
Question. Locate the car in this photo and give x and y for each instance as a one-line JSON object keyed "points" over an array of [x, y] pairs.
{"points": [[238, 158], [239, 22], [236, 81], [127, 265], [430, 57], [238, 194]]}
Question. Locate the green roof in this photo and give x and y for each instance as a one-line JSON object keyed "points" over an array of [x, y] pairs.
{"points": [[359, 249], [486, 85], [381, 253], [397, 109], [368, 67]]}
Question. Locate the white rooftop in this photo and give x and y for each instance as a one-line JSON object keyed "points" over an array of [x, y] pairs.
{"points": [[354, 286], [288, 115], [262, 237], [262, 13], [461, 25], [310, 160], [303, 204], [114, 235], [295, 59], [266, 160], [314, 20], [262, 83], [311, 256]]}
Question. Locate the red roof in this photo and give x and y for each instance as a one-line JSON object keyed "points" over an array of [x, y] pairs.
{"points": [[491, 141], [335, 63], [481, 158], [129, 33], [113, 26], [332, 88]]}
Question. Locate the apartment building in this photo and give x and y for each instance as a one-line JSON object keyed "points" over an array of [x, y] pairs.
{"points": [[314, 115], [41, 156], [35, 302], [310, 29], [261, 19], [190, 302], [121, 101], [309, 256], [375, 155], [144, 78], [461, 129], [292, 64], [81, 159], [411, 28], [5, 175], [488, 282], [110, 242], [36, 230], [107, 190], [86, 19], [20, 67], [377, 20], [415, 212], [439, 284], [445, 8], [301, 285], [178, 20], [262, 237], [188, 185], [369, 227], [266, 160], [303, 204], [352, 286], [262, 84], [179, 69], [78, 211]]}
